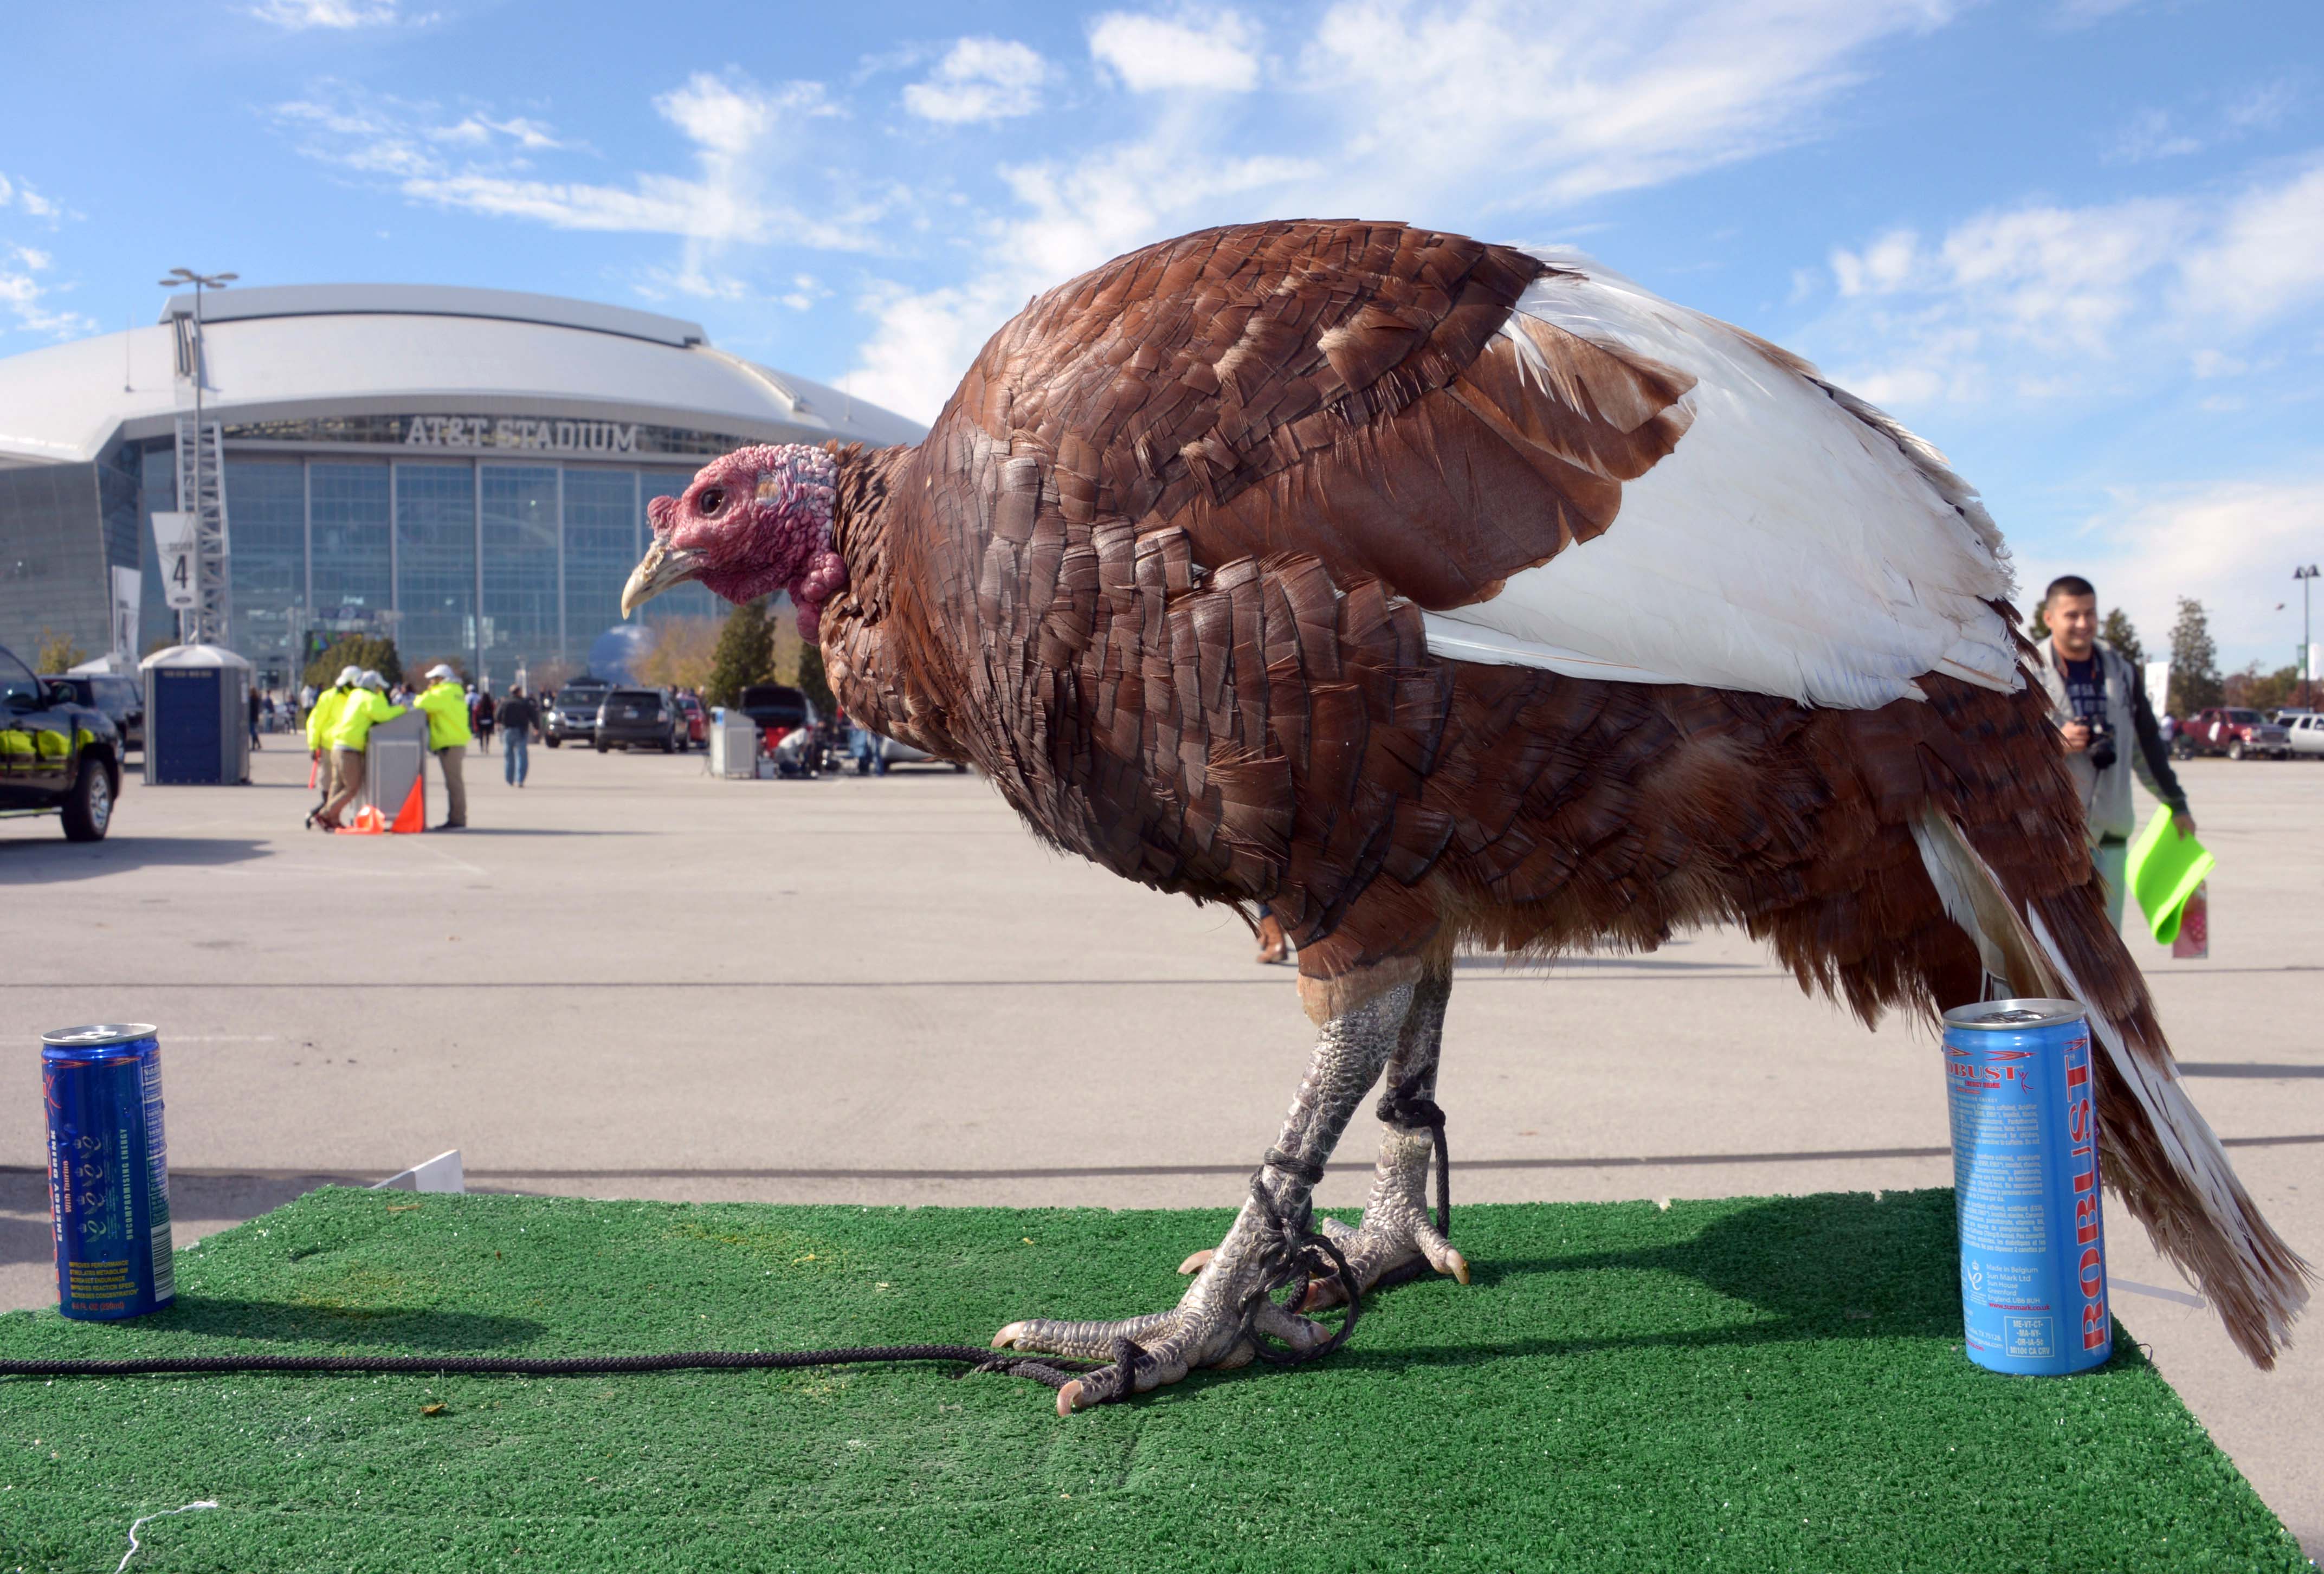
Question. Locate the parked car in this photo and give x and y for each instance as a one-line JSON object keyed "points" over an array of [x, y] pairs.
{"points": [[574, 713], [2237, 731], [779, 712], [121, 698], [2289, 714], [2305, 736], [57, 755], [894, 751], [639, 718], [697, 722]]}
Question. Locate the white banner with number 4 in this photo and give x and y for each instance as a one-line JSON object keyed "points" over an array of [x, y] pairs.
{"points": [[173, 549]]}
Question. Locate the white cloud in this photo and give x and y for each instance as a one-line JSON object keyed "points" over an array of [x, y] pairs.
{"points": [[2042, 303], [2231, 546], [2163, 134], [1512, 105], [24, 295], [298, 15], [740, 132], [20, 196], [979, 79], [1494, 106], [2266, 257], [1217, 53], [1072, 216]]}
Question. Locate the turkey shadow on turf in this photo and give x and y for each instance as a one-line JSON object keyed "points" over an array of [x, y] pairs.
{"points": [[1846, 1265]]}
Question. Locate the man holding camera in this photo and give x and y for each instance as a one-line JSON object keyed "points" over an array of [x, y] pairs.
{"points": [[2104, 717]]}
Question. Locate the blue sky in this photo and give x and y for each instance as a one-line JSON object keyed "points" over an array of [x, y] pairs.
{"points": [[2078, 244]]}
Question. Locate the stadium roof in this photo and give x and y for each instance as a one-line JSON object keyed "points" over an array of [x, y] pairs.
{"points": [[295, 351]]}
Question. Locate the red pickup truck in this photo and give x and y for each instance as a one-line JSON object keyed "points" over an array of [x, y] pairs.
{"points": [[2233, 731]]}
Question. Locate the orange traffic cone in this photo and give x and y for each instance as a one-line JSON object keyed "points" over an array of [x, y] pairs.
{"points": [[413, 816], [367, 822]]}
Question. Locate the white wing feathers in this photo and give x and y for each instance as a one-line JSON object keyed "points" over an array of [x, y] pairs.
{"points": [[1796, 542]]}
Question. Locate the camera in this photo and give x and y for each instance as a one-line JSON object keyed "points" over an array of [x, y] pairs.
{"points": [[2101, 746]]}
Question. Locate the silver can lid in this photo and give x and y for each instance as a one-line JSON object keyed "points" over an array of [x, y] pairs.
{"points": [[2014, 1015], [100, 1035]]}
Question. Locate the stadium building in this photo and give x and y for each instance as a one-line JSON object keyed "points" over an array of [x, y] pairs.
{"points": [[465, 469]]}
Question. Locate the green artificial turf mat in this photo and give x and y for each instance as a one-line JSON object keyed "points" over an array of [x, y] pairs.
{"points": [[1756, 1384]]}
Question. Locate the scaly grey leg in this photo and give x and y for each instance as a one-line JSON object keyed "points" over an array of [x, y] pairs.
{"points": [[1213, 1322], [1397, 1233]]}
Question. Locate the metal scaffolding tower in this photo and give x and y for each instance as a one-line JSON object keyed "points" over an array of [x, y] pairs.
{"points": [[201, 478], [201, 492]]}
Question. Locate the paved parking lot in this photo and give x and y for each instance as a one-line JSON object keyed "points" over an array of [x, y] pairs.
{"points": [[631, 979]]}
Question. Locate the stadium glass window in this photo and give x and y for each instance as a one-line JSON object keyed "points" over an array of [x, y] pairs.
{"points": [[520, 546], [604, 538], [351, 532], [434, 563], [266, 521]]}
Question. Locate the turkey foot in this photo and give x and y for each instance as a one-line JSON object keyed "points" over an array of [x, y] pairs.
{"points": [[1396, 1234], [1225, 1310]]}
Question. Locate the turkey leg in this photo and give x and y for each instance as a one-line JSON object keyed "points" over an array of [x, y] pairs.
{"points": [[1213, 1324], [1397, 1235]]}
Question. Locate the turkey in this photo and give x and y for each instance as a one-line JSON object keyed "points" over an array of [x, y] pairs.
{"points": [[1442, 594]]}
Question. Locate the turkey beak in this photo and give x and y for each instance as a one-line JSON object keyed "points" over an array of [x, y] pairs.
{"points": [[663, 566]]}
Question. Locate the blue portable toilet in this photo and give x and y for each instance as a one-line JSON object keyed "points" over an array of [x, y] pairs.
{"points": [[197, 717]]}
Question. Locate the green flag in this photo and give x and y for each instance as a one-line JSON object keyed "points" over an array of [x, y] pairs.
{"points": [[2164, 869]]}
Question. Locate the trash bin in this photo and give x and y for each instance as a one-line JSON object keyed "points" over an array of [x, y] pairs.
{"points": [[395, 771], [733, 743], [197, 717]]}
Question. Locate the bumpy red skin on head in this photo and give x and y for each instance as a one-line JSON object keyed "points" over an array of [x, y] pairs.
{"points": [[770, 531]]}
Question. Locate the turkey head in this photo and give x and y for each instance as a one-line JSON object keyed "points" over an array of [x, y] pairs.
{"points": [[753, 523]]}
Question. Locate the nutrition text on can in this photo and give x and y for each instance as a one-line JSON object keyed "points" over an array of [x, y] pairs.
{"points": [[2026, 1178], [109, 1170]]}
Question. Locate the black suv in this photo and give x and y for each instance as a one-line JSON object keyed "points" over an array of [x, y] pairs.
{"points": [[121, 698], [639, 718], [57, 756], [574, 715]]}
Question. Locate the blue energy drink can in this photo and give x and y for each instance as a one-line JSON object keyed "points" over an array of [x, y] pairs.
{"points": [[109, 1170], [2025, 1176]]}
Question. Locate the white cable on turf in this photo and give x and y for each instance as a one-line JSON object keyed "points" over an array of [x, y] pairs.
{"points": [[164, 1514]]}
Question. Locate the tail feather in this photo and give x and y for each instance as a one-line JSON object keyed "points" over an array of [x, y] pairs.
{"points": [[2159, 1155]]}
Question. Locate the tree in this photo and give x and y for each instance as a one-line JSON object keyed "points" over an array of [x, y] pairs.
{"points": [[365, 653], [2194, 662], [2115, 630], [743, 656], [58, 652], [813, 684], [684, 651], [2261, 691]]}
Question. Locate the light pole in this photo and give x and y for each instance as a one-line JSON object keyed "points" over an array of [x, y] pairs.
{"points": [[2307, 579], [178, 279]]}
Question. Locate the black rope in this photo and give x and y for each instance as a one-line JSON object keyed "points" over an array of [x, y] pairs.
{"points": [[1046, 1370], [1304, 1255]]}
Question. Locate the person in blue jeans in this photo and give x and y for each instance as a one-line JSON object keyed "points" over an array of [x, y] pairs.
{"points": [[518, 716]]}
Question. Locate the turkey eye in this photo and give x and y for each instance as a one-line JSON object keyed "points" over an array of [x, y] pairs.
{"points": [[712, 502]]}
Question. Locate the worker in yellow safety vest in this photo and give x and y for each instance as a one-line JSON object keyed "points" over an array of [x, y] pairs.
{"points": [[446, 705], [364, 708], [319, 723]]}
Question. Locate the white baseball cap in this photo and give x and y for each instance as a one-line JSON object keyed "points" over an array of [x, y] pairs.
{"points": [[350, 674], [441, 670], [372, 680]]}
